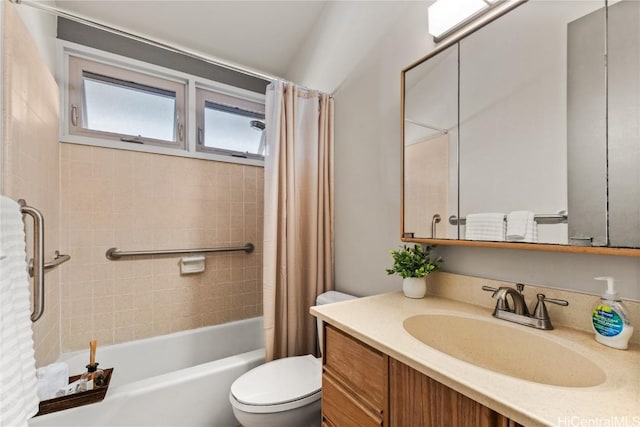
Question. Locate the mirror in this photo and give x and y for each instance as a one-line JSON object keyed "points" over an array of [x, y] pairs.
{"points": [[505, 133], [430, 172]]}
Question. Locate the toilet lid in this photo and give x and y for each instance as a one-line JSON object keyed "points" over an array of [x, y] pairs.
{"points": [[279, 381]]}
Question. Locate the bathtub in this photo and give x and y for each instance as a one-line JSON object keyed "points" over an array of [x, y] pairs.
{"points": [[181, 379]]}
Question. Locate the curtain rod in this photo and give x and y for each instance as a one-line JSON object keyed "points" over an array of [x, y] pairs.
{"points": [[119, 31]]}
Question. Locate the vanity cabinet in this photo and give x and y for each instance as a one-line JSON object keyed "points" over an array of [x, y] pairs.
{"points": [[354, 382], [363, 387], [419, 401]]}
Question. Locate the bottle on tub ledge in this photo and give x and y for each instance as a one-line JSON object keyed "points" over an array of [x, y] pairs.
{"points": [[94, 377]]}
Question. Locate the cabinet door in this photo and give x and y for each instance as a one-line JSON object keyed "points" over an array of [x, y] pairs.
{"points": [[419, 401]]}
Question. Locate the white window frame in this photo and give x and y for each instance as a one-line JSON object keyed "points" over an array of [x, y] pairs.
{"points": [[77, 69], [204, 95], [189, 149]]}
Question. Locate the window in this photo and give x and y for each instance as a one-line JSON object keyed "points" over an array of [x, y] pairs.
{"points": [[229, 125], [124, 105], [108, 100]]}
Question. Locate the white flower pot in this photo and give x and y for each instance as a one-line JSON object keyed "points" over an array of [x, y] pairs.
{"points": [[414, 287]]}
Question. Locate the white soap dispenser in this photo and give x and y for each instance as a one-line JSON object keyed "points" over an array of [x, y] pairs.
{"points": [[609, 319]]}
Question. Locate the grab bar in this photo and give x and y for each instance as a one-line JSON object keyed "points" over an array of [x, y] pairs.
{"points": [[38, 259], [115, 254], [37, 266], [56, 261]]}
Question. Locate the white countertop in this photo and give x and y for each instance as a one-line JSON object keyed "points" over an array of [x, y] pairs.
{"points": [[377, 321]]}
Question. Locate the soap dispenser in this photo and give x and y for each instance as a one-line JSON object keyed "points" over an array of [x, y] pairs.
{"points": [[93, 376], [609, 319]]}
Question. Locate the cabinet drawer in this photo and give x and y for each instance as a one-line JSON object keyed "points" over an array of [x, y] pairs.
{"points": [[356, 365], [340, 409]]}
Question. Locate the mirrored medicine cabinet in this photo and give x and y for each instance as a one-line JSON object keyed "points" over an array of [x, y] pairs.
{"points": [[537, 110]]}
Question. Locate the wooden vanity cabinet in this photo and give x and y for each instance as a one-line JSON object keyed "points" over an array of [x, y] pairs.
{"points": [[419, 401], [354, 382], [364, 387]]}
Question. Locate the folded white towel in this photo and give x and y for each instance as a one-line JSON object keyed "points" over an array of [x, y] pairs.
{"points": [[522, 227], [54, 377], [485, 226], [18, 385]]}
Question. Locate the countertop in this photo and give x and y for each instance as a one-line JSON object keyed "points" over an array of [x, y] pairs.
{"points": [[377, 321]]}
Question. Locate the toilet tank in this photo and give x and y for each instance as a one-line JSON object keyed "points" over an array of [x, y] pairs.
{"points": [[328, 298]]}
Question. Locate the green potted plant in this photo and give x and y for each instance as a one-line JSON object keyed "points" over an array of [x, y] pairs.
{"points": [[413, 264]]}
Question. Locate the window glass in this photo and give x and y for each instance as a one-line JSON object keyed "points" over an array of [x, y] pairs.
{"points": [[109, 102], [117, 106], [229, 125], [234, 129], [121, 103]]}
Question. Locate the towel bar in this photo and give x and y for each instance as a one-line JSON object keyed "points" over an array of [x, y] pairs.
{"points": [[559, 218]]}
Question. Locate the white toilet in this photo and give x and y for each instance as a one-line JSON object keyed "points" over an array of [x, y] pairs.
{"points": [[285, 392]]}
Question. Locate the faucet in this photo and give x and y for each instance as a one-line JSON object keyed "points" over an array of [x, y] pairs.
{"points": [[519, 305], [520, 313]]}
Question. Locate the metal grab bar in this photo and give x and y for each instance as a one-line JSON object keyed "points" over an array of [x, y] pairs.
{"points": [[37, 266], [38, 258], [559, 218], [56, 261], [115, 254]]}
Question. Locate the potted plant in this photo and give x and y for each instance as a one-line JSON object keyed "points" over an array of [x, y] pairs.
{"points": [[413, 264]]}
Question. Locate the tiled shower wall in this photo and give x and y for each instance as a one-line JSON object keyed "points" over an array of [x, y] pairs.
{"points": [[31, 158], [96, 198], [136, 201]]}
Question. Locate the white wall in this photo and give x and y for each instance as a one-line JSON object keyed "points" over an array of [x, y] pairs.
{"points": [[367, 157], [341, 37], [2, 6], [367, 175], [43, 28]]}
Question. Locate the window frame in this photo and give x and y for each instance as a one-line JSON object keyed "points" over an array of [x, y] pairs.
{"points": [[189, 149], [77, 101], [228, 103]]}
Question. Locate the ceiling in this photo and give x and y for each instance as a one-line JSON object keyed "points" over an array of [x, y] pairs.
{"points": [[263, 35], [315, 43]]}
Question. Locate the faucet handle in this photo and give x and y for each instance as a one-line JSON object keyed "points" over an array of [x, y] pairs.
{"points": [[489, 289], [556, 301], [541, 312]]}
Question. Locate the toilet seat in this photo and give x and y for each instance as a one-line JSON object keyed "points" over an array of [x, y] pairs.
{"points": [[280, 385]]}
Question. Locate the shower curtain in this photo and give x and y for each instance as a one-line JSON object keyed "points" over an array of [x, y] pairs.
{"points": [[298, 215]]}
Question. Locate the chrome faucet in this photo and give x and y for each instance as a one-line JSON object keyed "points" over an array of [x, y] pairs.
{"points": [[502, 304], [520, 313]]}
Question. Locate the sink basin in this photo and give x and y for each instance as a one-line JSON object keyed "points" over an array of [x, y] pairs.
{"points": [[509, 350]]}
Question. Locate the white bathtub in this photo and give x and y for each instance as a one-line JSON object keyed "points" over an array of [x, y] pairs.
{"points": [[181, 379]]}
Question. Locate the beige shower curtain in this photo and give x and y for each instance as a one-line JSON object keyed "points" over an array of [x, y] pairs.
{"points": [[298, 215]]}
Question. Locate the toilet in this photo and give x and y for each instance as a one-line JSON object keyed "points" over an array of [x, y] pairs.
{"points": [[285, 392]]}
